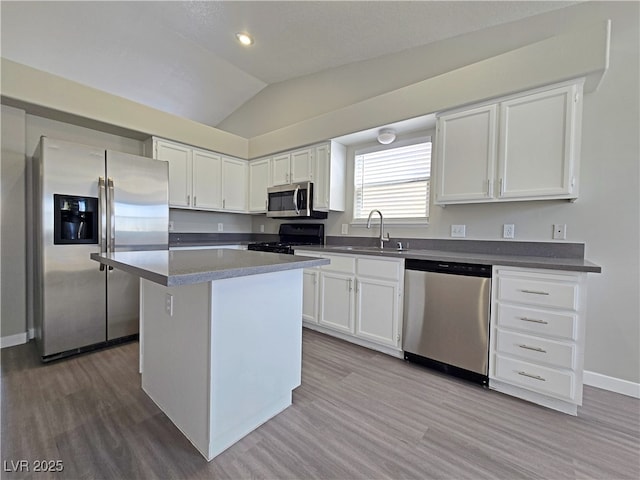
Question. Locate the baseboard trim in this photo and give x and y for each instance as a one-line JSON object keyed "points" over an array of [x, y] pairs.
{"points": [[13, 340], [612, 384]]}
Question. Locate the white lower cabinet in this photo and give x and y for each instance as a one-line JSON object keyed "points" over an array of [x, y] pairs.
{"points": [[537, 336], [357, 298], [378, 307], [336, 301], [310, 295]]}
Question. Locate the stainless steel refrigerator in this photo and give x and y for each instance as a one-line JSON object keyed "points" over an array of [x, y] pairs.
{"points": [[87, 200]]}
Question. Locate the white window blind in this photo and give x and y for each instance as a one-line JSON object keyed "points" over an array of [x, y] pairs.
{"points": [[394, 181]]}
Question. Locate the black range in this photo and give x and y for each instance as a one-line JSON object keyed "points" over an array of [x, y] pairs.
{"points": [[292, 235]]}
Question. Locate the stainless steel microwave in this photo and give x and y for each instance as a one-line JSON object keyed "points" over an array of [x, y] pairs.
{"points": [[292, 201]]}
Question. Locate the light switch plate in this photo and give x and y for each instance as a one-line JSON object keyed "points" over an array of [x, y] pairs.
{"points": [[458, 231], [171, 225], [220, 227], [508, 230], [345, 229], [261, 228]]}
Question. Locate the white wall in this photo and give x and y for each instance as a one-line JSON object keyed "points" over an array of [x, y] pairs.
{"points": [[192, 221], [292, 101], [12, 233]]}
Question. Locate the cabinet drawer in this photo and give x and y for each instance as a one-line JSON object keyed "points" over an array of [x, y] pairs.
{"points": [[536, 349], [538, 292], [535, 377], [540, 322], [340, 264], [372, 267]]}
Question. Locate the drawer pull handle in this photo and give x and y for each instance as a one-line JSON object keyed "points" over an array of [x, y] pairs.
{"points": [[535, 349], [536, 377], [534, 320], [535, 292]]}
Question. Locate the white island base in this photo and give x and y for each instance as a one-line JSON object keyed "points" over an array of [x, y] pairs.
{"points": [[220, 358]]}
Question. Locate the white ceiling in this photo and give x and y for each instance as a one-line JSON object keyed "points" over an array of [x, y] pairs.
{"points": [[182, 57]]}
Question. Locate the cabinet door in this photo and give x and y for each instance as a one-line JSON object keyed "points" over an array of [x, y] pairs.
{"points": [[280, 166], [179, 158], [207, 180], [301, 166], [466, 155], [258, 182], [310, 295], [378, 311], [336, 309], [321, 178], [234, 185], [537, 144]]}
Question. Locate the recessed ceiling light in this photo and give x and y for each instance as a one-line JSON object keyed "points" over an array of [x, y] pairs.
{"points": [[244, 38]]}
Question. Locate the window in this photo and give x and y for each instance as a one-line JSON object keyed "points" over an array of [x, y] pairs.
{"points": [[394, 181]]}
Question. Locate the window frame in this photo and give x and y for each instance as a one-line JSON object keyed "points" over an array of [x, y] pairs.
{"points": [[371, 148]]}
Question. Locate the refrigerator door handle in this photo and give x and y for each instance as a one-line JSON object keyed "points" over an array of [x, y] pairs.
{"points": [[111, 245], [102, 218]]}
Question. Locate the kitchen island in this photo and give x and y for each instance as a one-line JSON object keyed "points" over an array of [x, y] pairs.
{"points": [[220, 337]]}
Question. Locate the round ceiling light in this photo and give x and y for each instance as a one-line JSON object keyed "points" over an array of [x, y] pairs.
{"points": [[244, 38], [386, 136]]}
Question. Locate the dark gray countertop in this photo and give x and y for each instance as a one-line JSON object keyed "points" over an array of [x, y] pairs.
{"points": [[551, 263], [186, 267]]}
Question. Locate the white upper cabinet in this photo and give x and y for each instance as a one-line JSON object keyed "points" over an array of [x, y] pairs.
{"points": [[521, 148], [202, 180], [323, 164], [301, 165], [234, 185], [281, 169], [179, 159], [207, 193], [329, 171], [538, 147], [259, 181], [292, 167], [466, 155]]}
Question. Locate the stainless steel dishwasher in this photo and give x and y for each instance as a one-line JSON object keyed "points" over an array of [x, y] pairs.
{"points": [[446, 317]]}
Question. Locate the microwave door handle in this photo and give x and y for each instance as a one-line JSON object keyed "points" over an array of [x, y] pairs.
{"points": [[295, 199], [102, 217]]}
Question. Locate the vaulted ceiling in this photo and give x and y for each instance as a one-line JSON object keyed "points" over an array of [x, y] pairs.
{"points": [[183, 57]]}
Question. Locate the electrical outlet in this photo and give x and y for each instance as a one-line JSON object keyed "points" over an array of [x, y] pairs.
{"points": [[220, 227], [261, 228], [508, 230], [559, 231], [458, 231], [171, 225], [345, 229], [168, 304]]}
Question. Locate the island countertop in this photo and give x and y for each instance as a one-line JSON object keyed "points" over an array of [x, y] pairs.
{"points": [[186, 267]]}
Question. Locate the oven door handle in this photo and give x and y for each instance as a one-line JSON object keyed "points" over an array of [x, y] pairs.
{"points": [[295, 199]]}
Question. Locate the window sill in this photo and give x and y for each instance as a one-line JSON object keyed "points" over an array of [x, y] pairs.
{"points": [[396, 222]]}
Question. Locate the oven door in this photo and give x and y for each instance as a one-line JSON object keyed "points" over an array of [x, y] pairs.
{"points": [[286, 201]]}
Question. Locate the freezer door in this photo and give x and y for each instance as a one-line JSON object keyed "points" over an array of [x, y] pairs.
{"points": [[138, 219], [70, 289]]}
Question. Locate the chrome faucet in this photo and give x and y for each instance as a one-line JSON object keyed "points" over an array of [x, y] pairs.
{"points": [[382, 237]]}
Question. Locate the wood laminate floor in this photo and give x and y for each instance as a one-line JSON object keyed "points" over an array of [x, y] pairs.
{"points": [[358, 415]]}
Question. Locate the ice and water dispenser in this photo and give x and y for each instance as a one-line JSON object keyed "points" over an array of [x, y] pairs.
{"points": [[75, 219]]}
